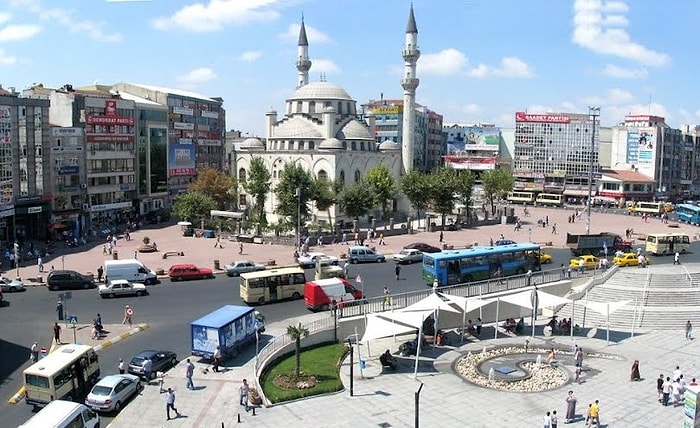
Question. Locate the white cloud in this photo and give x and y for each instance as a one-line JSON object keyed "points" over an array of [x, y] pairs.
{"points": [[601, 27], [6, 59], [250, 56], [625, 73], [65, 18], [198, 75], [18, 32], [312, 34], [619, 96], [447, 62], [471, 109], [511, 67], [614, 114], [4, 17], [214, 15], [324, 66]]}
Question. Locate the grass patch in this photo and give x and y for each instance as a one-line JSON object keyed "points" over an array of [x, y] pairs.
{"points": [[322, 361]]}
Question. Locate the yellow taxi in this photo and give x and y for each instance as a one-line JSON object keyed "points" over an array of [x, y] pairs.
{"points": [[589, 262], [545, 258], [627, 259]]}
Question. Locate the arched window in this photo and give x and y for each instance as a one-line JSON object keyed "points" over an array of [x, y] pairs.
{"points": [[299, 107], [357, 176], [341, 178], [340, 107], [312, 107], [322, 176], [241, 175]]}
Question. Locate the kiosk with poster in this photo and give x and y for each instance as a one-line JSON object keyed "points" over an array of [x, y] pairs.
{"points": [[691, 412]]}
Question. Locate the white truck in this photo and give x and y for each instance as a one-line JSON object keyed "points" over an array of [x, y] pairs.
{"points": [[131, 270]]}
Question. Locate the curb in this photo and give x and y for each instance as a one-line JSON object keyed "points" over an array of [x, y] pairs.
{"points": [[19, 396]]}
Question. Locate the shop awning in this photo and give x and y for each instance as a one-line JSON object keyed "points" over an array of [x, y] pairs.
{"points": [[578, 193]]}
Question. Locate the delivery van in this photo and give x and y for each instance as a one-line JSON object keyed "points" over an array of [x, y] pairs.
{"points": [[360, 254], [131, 270], [63, 414], [319, 295]]}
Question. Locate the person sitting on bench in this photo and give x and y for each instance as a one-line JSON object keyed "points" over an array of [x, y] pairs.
{"points": [[388, 360]]}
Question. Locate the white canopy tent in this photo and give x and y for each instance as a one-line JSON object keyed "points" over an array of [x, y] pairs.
{"points": [[379, 327], [607, 308], [532, 299], [467, 304]]}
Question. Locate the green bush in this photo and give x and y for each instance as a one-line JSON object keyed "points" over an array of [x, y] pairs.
{"points": [[322, 361], [146, 240]]}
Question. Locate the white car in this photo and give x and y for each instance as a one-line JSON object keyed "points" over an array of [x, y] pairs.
{"points": [[11, 285], [121, 287], [112, 392], [242, 266], [408, 256], [309, 260]]}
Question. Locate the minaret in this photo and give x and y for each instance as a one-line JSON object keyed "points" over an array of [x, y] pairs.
{"points": [[409, 82], [303, 62]]}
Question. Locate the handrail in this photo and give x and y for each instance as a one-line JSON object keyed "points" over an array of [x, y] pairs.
{"points": [[687, 274], [645, 297]]}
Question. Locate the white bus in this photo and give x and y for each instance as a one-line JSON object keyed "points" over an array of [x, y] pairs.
{"points": [[68, 373], [521, 197], [552, 199], [667, 243], [651, 208], [272, 285]]}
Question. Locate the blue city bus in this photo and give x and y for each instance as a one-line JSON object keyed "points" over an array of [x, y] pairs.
{"points": [[480, 263], [688, 213]]}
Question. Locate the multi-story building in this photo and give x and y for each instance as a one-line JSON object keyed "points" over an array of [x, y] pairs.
{"points": [[691, 139], [68, 174], [554, 153], [473, 147]]}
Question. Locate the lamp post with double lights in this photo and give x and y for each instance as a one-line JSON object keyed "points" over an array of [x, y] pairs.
{"points": [[297, 193], [593, 112]]}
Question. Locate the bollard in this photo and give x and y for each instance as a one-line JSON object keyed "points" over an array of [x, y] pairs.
{"points": [[239, 418], [253, 411]]}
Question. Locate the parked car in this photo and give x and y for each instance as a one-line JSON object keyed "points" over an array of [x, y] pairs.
{"points": [[162, 361], [11, 285], [242, 266], [360, 254], [505, 242], [112, 392], [186, 271], [422, 247], [309, 260], [68, 279], [121, 287], [408, 256]]}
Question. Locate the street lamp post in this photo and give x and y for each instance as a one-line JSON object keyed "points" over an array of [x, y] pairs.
{"points": [[297, 193], [594, 112]]}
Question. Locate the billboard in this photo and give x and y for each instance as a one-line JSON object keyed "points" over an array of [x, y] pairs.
{"points": [[181, 159], [541, 118], [476, 138], [641, 146], [473, 163]]}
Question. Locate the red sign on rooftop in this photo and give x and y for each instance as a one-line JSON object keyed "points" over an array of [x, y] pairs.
{"points": [[542, 118]]}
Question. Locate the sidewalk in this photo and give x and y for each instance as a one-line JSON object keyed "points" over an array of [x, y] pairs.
{"points": [[201, 251]]}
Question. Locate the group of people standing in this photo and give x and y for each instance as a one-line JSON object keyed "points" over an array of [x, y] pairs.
{"points": [[551, 419], [671, 389]]}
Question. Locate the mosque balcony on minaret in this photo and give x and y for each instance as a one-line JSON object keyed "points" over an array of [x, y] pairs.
{"points": [[410, 83], [411, 53], [303, 64]]}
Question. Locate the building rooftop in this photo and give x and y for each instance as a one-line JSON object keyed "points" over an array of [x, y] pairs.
{"points": [[628, 176], [178, 92], [136, 98]]}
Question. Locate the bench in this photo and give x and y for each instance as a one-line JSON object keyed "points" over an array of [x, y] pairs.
{"points": [[173, 253]]}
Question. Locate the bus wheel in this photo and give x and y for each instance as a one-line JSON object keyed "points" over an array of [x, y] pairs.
{"points": [[261, 301], [468, 278], [296, 296], [663, 253], [683, 251]]}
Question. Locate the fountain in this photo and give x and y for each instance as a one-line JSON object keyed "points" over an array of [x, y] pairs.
{"points": [[539, 360], [491, 371]]}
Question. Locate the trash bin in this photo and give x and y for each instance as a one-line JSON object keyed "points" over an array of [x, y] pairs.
{"points": [[115, 255], [363, 364], [217, 265]]}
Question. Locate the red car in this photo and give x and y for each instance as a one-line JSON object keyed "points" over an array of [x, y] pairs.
{"points": [[186, 271]]}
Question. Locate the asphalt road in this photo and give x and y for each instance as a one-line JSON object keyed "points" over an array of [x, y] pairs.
{"points": [[168, 310]]}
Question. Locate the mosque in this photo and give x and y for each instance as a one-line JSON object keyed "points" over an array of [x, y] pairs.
{"points": [[321, 131]]}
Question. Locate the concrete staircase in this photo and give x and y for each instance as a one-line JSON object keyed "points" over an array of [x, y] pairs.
{"points": [[665, 298]]}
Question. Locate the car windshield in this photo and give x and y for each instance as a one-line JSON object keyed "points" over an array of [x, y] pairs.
{"points": [[101, 390], [136, 361]]}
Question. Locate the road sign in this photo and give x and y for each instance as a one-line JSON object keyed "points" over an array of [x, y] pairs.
{"points": [[73, 319], [358, 279]]}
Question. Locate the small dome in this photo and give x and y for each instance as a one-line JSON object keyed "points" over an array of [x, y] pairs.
{"points": [[252, 143], [354, 130], [329, 109], [295, 127], [388, 145], [320, 91], [331, 144]]}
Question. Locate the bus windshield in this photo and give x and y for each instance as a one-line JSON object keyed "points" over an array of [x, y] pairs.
{"points": [[272, 285]]}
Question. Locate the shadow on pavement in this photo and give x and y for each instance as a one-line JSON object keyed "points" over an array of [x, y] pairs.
{"points": [[13, 357]]}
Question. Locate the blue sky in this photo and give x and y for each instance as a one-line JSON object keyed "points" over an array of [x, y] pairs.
{"points": [[481, 61]]}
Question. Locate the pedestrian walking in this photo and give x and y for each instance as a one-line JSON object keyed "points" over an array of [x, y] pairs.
{"points": [[595, 413], [562, 275], [660, 387], [120, 366], [554, 420], [666, 389], [570, 407], [128, 314], [104, 249], [57, 333], [341, 305], [441, 237], [381, 239], [189, 372], [147, 366], [547, 421], [387, 298], [479, 324], [346, 270], [59, 310], [554, 229], [435, 285], [40, 264], [216, 360], [677, 258], [244, 391], [344, 239], [397, 271], [528, 276], [136, 255], [688, 331], [170, 403], [218, 242], [34, 352], [240, 248], [100, 272]]}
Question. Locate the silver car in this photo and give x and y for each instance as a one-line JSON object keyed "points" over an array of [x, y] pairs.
{"points": [[121, 287], [242, 266], [11, 285], [408, 256], [112, 392]]}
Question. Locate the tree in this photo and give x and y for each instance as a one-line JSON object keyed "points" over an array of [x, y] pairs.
{"points": [[416, 186], [290, 204], [496, 182], [382, 186], [465, 188], [442, 185], [194, 206], [296, 333], [325, 195], [258, 185], [216, 184], [357, 200]]}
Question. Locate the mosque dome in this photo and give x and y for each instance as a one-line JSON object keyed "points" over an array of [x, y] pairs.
{"points": [[388, 145], [321, 91], [296, 127], [252, 143], [331, 144], [354, 130]]}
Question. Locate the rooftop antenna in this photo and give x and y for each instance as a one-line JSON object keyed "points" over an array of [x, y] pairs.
{"points": [[323, 77]]}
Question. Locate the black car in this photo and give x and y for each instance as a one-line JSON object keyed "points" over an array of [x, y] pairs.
{"points": [[68, 279], [422, 247], [162, 360]]}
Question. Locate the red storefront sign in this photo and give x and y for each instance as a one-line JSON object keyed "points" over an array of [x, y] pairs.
{"points": [[541, 118], [110, 138], [111, 108], [109, 120]]}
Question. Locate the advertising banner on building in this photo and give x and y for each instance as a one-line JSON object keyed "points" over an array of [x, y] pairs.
{"points": [[471, 162], [476, 138], [541, 118], [181, 159], [641, 146]]}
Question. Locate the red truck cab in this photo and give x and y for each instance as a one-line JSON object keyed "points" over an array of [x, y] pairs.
{"points": [[319, 294]]}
